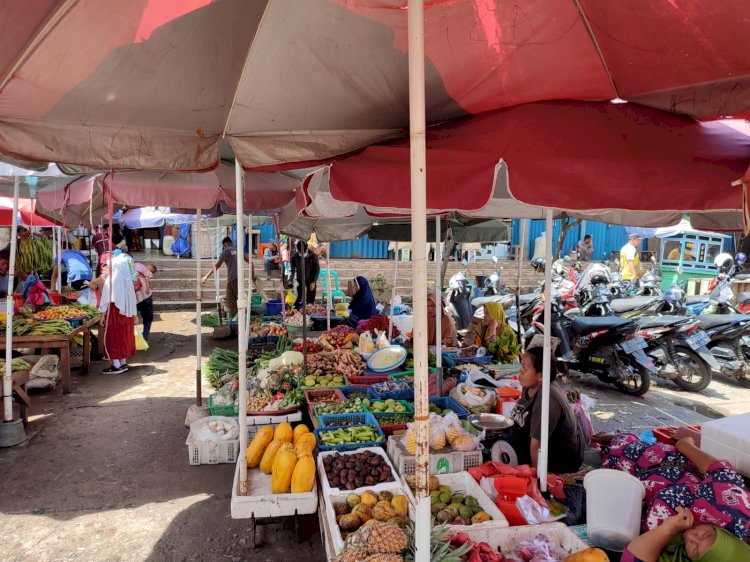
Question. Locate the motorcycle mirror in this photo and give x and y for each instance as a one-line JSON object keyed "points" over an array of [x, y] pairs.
{"points": [[494, 259]]}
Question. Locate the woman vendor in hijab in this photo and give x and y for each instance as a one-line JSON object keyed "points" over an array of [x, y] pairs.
{"points": [[449, 338], [118, 303], [363, 306], [488, 323]]}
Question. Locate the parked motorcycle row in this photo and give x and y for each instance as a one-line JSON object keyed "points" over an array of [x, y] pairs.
{"points": [[626, 335]]}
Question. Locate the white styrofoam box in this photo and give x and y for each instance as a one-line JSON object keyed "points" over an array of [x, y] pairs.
{"points": [[507, 539], [330, 499], [260, 502], [327, 489], [325, 528], [728, 438], [463, 483]]}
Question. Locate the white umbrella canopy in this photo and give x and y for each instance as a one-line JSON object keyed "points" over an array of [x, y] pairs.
{"points": [[157, 84]]}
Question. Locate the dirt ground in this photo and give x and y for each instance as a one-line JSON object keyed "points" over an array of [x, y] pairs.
{"points": [[105, 473]]}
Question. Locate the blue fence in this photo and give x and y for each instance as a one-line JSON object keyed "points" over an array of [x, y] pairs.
{"points": [[361, 248], [607, 237]]}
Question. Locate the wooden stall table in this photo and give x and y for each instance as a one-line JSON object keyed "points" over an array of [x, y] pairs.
{"points": [[61, 342]]}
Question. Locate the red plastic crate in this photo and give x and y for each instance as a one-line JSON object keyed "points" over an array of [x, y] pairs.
{"points": [[367, 380], [312, 394], [666, 434]]}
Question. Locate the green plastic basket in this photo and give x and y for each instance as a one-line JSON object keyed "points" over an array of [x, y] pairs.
{"points": [[229, 410]]}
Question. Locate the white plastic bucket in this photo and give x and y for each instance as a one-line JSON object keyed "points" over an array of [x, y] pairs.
{"points": [[613, 508]]}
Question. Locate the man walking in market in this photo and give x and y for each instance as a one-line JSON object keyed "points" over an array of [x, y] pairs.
{"points": [[629, 259], [228, 256]]}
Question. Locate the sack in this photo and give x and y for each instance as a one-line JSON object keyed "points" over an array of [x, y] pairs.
{"points": [[38, 294], [476, 399], [140, 342]]}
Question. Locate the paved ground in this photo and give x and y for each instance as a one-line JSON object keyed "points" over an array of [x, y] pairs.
{"points": [[105, 477]]}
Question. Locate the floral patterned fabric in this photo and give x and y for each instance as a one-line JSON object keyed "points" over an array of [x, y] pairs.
{"points": [[719, 498]]}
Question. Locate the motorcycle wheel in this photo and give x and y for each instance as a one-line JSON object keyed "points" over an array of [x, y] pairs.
{"points": [[693, 375], [637, 379], [744, 378]]}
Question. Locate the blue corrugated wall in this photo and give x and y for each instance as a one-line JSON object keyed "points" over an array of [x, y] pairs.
{"points": [[361, 248], [267, 233], [607, 237]]}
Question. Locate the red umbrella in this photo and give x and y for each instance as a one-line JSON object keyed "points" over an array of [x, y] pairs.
{"points": [[580, 156], [25, 211]]}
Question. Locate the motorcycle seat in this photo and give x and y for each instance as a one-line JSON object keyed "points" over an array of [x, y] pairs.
{"points": [[527, 298], [628, 305], [743, 298], [659, 321], [708, 321], [587, 324], [694, 299]]}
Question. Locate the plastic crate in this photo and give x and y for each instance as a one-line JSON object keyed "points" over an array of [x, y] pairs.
{"points": [[312, 394], [441, 462], [367, 380], [666, 434], [446, 402], [347, 420], [408, 372], [408, 405], [389, 428], [228, 410], [406, 394], [347, 391], [212, 452], [314, 413], [348, 447], [482, 360]]}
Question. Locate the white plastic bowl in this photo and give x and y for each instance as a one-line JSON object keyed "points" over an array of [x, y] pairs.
{"points": [[614, 501]]}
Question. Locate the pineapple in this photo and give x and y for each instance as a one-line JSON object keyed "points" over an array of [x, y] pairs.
{"points": [[385, 558], [440, 550], [287, 382], [380, 538]]}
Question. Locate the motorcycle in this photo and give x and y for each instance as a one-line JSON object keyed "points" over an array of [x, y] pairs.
{"points": [[458, 298], [492, 285], [603, 346], [649, 285], [674, 343]]}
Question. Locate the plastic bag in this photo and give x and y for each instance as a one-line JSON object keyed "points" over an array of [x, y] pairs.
{"points": [[533, 512], [382, 341], [477, 400], [86, 296], [290, 299], [140, 342], [581, 410], [366, 345], [540, 549], [456, 434]]}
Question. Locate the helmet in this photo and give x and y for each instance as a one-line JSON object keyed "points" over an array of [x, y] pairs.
{"points": [[724, 262], [599, 274], [538, 263], [740, 258]]}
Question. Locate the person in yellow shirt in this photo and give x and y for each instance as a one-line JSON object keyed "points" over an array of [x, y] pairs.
{"points": [[629, 259], [674, 254]]}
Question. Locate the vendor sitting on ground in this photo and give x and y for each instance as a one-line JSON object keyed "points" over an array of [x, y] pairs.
{"points": [[681, 476], [679, 539], [488, 323], [271, 259], [447, 324], [565, 437], [363, 306]]}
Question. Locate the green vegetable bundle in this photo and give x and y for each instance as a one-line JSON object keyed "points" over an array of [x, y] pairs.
{"points": [[49, 328], [210, 321], [220, 363], [505, 348], [348, 435]]}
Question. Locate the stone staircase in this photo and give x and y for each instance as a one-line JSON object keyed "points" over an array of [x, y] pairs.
{"points": [[174, 283]]}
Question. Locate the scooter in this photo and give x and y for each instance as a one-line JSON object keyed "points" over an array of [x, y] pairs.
{"points": [[492, 285], [649, 285], [458, 298], [604, 346]]}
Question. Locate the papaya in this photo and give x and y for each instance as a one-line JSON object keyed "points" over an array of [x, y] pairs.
{"points": [[299, 431], [257, 447], [284, 432], [303, 476], [266, 463], [588, 555], [283, 469], [305, 445]]}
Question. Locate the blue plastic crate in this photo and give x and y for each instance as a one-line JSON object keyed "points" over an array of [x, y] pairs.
{"points": [[359, 418], [347, 390], [446, 402], [349, 447], [406, 394], [483, 360]]}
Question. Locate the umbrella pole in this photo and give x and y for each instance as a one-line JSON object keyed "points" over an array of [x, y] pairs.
{"points": [[242, 335], [215, 256], [281, 267], [198, 295], [521, 253], [438, 310], [329, 297], [250, 275], [8, 375], [303, 302], [393, 293], [58, 281], [542, 465], [418, 166]]}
